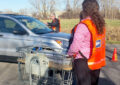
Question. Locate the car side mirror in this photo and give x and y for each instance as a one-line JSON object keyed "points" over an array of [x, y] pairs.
{"points": [[19, 32]]}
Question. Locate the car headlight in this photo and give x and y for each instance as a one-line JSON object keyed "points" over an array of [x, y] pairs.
{"points": [[59, 42], [63, 44]]}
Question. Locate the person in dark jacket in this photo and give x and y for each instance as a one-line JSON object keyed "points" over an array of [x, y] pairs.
{"points": [[55, 24]]}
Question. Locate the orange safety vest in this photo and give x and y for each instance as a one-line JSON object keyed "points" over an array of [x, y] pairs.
{"points": [[54, 28], [97, 58]]}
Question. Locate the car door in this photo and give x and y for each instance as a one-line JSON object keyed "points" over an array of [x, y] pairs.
{"points": [[12, 37], [3, 40]]}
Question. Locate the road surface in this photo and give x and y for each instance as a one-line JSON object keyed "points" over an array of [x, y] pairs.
{"points": [[110, 75]]}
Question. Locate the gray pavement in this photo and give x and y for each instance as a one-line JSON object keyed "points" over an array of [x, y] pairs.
{"points": [[9, 74], [110, 75]]}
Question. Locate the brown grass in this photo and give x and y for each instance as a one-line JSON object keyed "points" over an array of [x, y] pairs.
{"points": [[112, 27]]}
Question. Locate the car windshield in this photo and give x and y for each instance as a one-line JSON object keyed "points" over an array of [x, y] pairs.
{"points": [[34, 25]]}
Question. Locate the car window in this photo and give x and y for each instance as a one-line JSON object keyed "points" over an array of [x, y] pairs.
{"points": [[2, 26], [34, 25], [9, 23], [10, 26]]}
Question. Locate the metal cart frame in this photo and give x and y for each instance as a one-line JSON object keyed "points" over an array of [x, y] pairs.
{"points": [[31, 70]]}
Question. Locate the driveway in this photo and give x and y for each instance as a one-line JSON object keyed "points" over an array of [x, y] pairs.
{"points": [[110, 75]]}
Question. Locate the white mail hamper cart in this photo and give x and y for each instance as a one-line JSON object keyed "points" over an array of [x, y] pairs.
{"points": [[38, 66]]}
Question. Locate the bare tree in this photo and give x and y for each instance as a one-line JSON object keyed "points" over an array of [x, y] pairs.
{"points": [[76, 5], [68, 7], [41, 7], [44, 8], [109, 10], [36, 6], [72, 11], [23, 11], [52, 6], [1, 12], [9, 11]]}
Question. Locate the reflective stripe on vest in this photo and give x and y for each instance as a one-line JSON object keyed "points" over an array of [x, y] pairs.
{"points": [[92, 63]]}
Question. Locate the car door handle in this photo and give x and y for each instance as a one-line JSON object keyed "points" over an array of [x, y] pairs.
{"points": [[1, 35]]}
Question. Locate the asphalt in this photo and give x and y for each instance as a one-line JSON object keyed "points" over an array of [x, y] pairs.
{"points": [[110, 74]]}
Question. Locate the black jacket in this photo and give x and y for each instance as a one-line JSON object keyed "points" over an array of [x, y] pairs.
{"points": [[55, 23]]}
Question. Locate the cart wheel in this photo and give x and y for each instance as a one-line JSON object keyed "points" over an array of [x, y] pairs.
{"points": [[22, 73]]}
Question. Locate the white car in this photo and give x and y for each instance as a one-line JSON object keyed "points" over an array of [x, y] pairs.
{"points": [[22, 31]]}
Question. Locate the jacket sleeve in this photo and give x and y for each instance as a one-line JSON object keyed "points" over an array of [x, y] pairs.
{"points": [[56, 23]]}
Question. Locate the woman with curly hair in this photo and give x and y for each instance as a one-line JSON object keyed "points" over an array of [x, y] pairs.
{"points": [[88, 45]]}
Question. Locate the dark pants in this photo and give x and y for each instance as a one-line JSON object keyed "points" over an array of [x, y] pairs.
{"points": [[95, 76], [85, 76]]}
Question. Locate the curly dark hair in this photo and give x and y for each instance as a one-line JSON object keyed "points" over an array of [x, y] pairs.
{"points": [[91, 8]]}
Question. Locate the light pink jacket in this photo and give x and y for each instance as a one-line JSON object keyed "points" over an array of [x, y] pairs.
{"points": [[82, 41]]}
